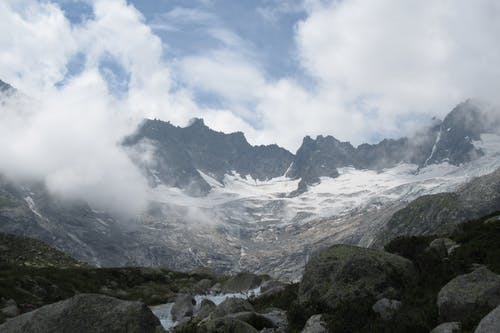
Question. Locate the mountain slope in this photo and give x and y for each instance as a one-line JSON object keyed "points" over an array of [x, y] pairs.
{"points": [[441, 213]]}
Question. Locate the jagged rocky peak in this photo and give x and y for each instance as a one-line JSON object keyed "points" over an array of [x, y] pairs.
{"points": [[450, 140], [459, 129], [181, 153], [6, 88]]}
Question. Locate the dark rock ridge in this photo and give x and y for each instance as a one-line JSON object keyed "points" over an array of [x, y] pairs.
{"points": [[463, 125], [181, 151], [450, 140], [441, 213], [4, 87]]}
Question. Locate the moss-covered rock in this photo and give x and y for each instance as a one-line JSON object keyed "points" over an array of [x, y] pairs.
{"points": [[86, 313], [241, 282], [467, 295], [345, 273]]}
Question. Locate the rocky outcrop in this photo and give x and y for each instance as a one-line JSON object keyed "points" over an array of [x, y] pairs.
{"points": [[345, 273], [386, 308], [256, 320], [315, 324], [86, 313], [442, 247], [183, 307], [10, 308], [469, 295], [232, 305], [490, 323], [179, 152], [241, 282], [225, 325], [451, 327], [206, 308], [441, 213]]}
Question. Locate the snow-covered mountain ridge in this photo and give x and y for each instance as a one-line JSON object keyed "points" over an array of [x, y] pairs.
{"points": [[217, 201]]}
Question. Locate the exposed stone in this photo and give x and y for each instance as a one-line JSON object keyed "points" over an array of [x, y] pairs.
{"points": [[86, 313], [255, 319], [315, 324], [241, 282], [206, 308], [183, 307], [345, 273], [271, 287], [10, 309], [203, 286], [232, 305], [451, 327], [225, 325], [490, 323], [442, 246], [386, 308], [468, 295]]}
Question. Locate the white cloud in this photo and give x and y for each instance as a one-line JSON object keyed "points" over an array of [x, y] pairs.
{"points": [[403, 57], [378, 68], [69, 137]]}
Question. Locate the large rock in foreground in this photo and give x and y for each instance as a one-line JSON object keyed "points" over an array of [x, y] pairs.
{"points": [[469, 295], [346, 273], [241, 282], [490, 323], [86, 313]]}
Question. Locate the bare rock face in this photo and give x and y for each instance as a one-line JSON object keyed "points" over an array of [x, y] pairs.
{"points": [[386, 308], [451, 327], [225, 325], [315, 324], [86, 313], [490, 323], [345, 273], [232, 305], [442, 247], [469, 294], [241, 282], [183, 307]]}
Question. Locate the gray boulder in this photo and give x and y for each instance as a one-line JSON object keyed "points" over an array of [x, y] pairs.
{"points": [[241, 282], [183, 307], [278, 318], [490, 323], [10, 309], [271, 287], [225, 325], [469, 295], [232, 305], [203, 286], [206, 308], [344, 273], [442, 247], [315, 324], [254, 319], [452, 327], [386, 308], [86, 313]]}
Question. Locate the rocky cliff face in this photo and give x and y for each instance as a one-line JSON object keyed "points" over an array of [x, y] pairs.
{"points": [[179, 154], [441, 213]]}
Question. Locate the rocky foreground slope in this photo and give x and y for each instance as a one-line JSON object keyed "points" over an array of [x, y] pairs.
{"points": [[416, 284]]}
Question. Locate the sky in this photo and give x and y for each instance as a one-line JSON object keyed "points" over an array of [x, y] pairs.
{"points": [[275, 69]]}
